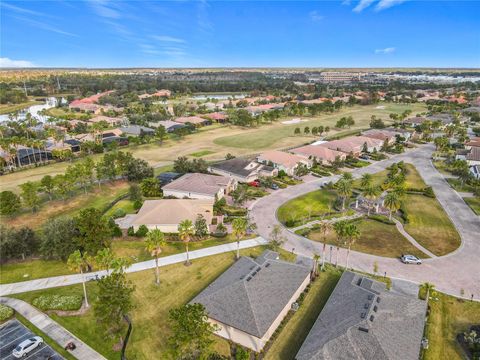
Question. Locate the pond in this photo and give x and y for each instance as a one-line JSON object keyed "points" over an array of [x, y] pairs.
{"points": [[34, 110]]}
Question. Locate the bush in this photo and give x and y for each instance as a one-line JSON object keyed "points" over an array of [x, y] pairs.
{"points": [[242, 354], [5, 312], [58, 302], [131, 231], [382, 219], [429, 192], [119, 213], [404, 213], [142, 231], [137, 204]]}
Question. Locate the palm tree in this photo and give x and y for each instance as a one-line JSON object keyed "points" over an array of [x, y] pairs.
{"points": [[185, 232], [371, 193], [153, 244], [366, 181], [324, 227], [239, 227], [344, 189], [427, 287], [339, 228], [316, 257], [104, 259], [392, 202], [347, 176], [351, 235], [77, 262]]}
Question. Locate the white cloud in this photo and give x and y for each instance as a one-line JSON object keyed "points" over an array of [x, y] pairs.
{"points": [[387, 50], [104, 9], [315, 16], [21, 10], [363, 4], [10, 63], [44, 26], [166, 38], [385, 4]]}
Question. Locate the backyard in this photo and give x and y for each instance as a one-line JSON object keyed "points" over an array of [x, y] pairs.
{"points": [[179, 284], [449, 316]]}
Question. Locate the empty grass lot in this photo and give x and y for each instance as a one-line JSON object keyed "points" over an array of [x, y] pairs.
{"points": [[179, 284], [98, 198], [290, 339], [429, 225], [31, 269], [413, 180], [312, 205], [448, 317], [376, 238]]}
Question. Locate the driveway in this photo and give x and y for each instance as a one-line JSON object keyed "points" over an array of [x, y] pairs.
{"points": [[450, 273]]}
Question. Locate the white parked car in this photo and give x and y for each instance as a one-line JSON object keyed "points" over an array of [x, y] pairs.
{"points": [[26, 346], [410, 259]]}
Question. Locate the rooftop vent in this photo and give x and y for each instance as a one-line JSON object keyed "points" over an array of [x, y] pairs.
{"points": [[370, 297], [363, 329], [372, 317], [258, 269], [359, 281], [378, 300], [375, 308], [366, 306], [267, 264], [362, 315], [249, 278]]}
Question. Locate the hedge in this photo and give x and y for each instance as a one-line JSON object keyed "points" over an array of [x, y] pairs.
{"points": [[382, 219], [58, 302], [5, 312]]}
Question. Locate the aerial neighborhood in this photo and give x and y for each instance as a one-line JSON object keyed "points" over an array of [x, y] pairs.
{"points": [[221, 180]]}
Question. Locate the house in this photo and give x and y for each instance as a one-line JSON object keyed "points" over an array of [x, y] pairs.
{"points": [[283, 161], [242, 170], [364, 320], [137, 130], [445, 119], [195, 120], [474, 142], [219, 117], [166, 214], [323, 154], [200, 186], [382, 134], [27, 155], [87, 107], [473, 156], [111, 132], [170, 126], [354, 144], [250, 299], [88, 103], [414, 121]]}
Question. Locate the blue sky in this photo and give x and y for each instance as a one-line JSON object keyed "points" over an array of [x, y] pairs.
{"points": [[361, 33]]}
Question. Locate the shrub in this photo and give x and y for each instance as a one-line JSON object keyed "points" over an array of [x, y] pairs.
{"points": [[58, 302], [382, 219], [429, 192], [142, 231], [242, 354], [119, 213], [137, 204], [5, 312], [131, 231]]}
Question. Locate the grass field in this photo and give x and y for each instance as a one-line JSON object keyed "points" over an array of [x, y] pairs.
{"points": [[306, 207], [9, 108], [31, 269], [474, 203], [152, 303], [448, 317], [98, 198], [413, 180], [375, 238], [429, 225], [220, 140], [126, 205], [458, 186], [290, 339]]}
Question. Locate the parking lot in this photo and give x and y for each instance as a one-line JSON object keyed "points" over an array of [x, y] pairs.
{"points": [[13, 333]]}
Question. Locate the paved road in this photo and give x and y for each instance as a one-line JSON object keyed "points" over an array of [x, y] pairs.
{"points": [[12, 333], [56, 332], [450, 273], [45, 283]]}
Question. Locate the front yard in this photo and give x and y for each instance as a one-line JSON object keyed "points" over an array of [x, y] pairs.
{"points": [[474, 203]]}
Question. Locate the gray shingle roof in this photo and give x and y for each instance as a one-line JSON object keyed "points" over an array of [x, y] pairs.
{"points": [[250, 295], [363, 320]]}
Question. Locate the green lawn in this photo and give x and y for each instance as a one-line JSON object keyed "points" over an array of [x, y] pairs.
{"points": [[429, 225], [307, 207], [97, 197], [458, 186], [126, 205], [474, 203], [152, 303], [376, 238], [268, 135], [31, 269], [290, 339], [448, 317], [202, 153], [413, 180]]}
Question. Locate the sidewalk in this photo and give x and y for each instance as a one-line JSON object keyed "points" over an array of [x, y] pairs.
{"points": [[65, 280], [59, 334]]}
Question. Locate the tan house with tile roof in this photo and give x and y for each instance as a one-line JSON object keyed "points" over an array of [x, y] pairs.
{"points": [[354, 144], [323, 154], [200, 186], [283, 160]]}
